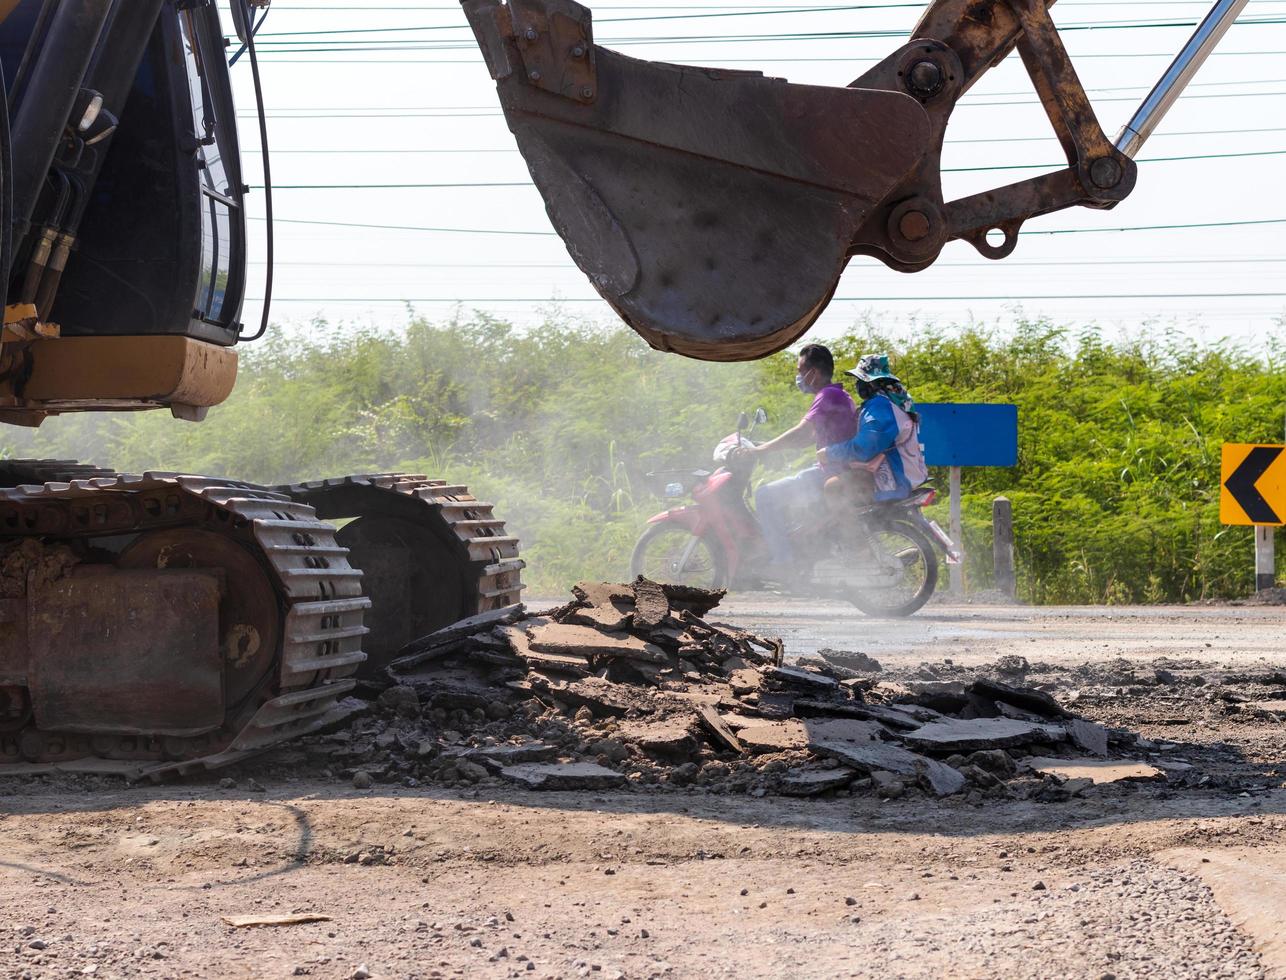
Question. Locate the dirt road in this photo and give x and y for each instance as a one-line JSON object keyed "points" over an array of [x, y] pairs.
{"points": [[1185, 878]]}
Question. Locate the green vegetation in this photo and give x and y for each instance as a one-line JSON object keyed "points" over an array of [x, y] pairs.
{"points": [[1115, 496]]}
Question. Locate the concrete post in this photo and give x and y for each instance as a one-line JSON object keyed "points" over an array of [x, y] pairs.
{"points": [[957, 535], [1002, 536], [1265, 559]]}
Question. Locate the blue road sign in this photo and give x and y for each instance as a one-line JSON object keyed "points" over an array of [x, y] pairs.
{"points": [[969, 435]]}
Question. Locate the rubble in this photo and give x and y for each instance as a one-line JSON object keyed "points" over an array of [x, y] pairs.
{"points": [[570, 775], [1088, 736], [873, 757], [811, 781], [1095, 770], [778, 736], [630, 686], [963, 735]]}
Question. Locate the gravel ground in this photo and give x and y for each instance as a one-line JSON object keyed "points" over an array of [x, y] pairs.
{"points": [[102, 879]]}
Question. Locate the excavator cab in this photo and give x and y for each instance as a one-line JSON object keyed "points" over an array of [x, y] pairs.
{"points": [[715, 210], [124, 250]]}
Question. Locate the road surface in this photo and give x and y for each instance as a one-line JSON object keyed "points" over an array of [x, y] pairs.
{"points": [[1059, 635]]}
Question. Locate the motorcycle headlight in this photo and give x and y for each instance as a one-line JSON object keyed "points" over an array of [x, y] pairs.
{"points": [[674, 490]]}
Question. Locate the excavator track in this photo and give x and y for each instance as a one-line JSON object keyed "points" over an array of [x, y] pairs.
{"points": [[281, 672], [432, 553], [17, 472]]}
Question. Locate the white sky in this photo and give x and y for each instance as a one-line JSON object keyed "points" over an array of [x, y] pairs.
{"points": [[338, 111]]}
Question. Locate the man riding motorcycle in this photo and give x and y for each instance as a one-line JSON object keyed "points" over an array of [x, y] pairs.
{"points": [[881, 558], [830, 420], [883, 460]]}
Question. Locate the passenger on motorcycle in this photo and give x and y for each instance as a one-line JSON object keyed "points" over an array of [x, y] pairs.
{"points": [[884, 460], [831, 419]]}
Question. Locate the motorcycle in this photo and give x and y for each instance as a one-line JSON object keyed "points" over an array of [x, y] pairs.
{"points": [[880, 557]]}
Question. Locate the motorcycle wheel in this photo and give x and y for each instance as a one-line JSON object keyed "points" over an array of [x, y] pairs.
{"points": [[912, 572], [667, 552]]}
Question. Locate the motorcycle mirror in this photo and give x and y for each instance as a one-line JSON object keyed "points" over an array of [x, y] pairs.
{"points": [[743, 420], [760, 416]]}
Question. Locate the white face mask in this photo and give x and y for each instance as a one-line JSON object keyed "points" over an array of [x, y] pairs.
{"points": [[807, 389]]}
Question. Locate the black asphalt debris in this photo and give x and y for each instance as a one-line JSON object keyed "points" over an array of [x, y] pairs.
{"points": [[632, 685]]}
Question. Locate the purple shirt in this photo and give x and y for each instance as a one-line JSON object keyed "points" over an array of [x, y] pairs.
{"points": [[834, 416]]}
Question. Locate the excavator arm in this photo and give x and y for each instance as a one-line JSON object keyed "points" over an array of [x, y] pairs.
{"points": [[715, 210]]}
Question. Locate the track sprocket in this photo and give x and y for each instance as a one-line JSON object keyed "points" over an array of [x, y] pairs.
{"points": [[432, 553]]}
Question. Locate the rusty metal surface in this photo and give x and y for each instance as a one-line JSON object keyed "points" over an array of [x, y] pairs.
{"points": [[715, 210], [13, 640], [712, 209], [962, 40], [555, 40], [126, 652], [249, 624], [318, 595]]}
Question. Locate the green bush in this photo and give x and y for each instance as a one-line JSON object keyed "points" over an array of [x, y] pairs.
{"points": [[1115, 495]]}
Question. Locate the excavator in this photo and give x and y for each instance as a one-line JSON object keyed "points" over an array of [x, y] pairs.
{"points": [[162, 623], [167, 623]]}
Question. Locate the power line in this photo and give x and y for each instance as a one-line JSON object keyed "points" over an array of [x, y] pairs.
{"points": [[450, 231], [1195, 156], [420, 7], [277, 47], [551, 234], [323, 115], [398, 187], [808, 59], [611, 20], [397, 110], [979, 263], [713, 11], [960, 142], [1157, 135], [527, 183], [880, 32], [837, 299], [1173, 227]]}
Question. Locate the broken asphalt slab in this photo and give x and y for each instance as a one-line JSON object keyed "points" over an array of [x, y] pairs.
{"points": [[563, 639], [651, 607], [980, 733], [775, 736], [563, 776], [427, 647], [1026, 698], [810, 781], [670, 736], [798, 677], [1087, 735], [1097, 770], [882, 756]]}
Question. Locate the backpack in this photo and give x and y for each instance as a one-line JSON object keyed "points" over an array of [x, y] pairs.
{"points": [[902, 467], [909, 448]]}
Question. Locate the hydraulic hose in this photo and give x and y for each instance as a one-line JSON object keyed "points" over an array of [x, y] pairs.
{"points": [[6, 193], [269, 245]]}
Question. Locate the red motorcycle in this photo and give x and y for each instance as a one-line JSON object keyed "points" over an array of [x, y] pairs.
{"points": [[877, 556]]}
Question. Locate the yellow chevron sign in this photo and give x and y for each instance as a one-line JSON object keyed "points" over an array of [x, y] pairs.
{"points": [[1252, 488]]}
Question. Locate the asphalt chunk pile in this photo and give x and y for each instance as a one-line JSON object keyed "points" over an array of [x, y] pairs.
{"points": [[634, 685]]}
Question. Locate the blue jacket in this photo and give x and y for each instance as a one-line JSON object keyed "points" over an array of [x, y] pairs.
{"points": [[877, 433]]}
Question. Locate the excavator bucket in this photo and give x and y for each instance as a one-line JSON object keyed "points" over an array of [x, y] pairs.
{"points": [[712, 209]]}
